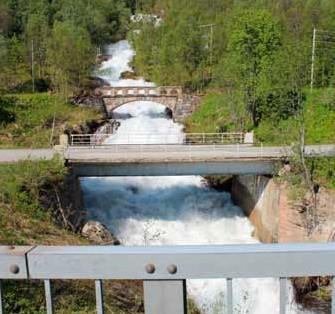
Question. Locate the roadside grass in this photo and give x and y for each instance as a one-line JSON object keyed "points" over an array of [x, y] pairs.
{"points": [[26, 120]]}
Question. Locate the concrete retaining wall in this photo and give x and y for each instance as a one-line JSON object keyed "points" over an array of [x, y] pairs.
{"points": [[278, 219], [260, 198]]}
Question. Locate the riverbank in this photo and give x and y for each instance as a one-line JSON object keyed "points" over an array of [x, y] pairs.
{"points": [[40, 205]]}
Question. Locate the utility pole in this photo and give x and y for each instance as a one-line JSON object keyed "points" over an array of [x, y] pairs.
{"points": [[313, 57], [33, 65], [211, 43]]}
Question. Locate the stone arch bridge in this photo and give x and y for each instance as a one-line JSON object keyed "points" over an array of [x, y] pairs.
{"points": [[172, 97]]}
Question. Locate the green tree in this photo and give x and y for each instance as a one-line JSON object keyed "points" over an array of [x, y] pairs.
{"points": [[36, 36], [3, 62], [174, 52], [17, 69], [105, 20], [254, 43], [70, 56], [5, 18]]}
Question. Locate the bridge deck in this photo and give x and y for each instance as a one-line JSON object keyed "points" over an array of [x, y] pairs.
{"points": [[173, 160], [185, 153]]}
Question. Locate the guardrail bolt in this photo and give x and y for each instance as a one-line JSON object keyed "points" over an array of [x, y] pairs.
{"points": [[150, 268], [172, 269], [14, 269]]}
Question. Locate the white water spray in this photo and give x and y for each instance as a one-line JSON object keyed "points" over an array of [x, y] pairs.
{"points": [[110, 71], [174, 210]]}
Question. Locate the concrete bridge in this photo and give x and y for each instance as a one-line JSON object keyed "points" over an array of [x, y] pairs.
{"points": [[172, 160], [172, 97], [167, 159]]}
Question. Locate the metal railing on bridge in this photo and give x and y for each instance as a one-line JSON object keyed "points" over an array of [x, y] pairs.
{"points": [[157, 138], [165, 270]]}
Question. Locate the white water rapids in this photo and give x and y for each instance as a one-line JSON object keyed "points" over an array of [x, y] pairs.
{"points": [[174, 210]]}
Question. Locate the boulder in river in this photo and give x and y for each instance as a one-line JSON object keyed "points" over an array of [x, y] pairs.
{"points": [[128, 75], [99, 233]]}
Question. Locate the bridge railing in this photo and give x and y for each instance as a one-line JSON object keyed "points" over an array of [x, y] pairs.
{"points": [[157, 138], [172, 91], [165, 270]]}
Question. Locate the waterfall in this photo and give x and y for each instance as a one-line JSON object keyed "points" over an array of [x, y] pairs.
{"points": [[173, 210]]}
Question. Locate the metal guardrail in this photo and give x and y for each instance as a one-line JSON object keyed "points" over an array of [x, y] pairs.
{"points": [[165, 269], [156, 138]]}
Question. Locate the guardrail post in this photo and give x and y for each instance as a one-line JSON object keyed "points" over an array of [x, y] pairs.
{"points": [[229, 296], [48, 296], [1, 300], [283, 295], [165, 297], [333, 295], [99, 296]]}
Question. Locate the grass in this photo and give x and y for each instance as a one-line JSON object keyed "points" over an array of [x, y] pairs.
{"points": [[26, 120], [23, 220], [217, 113]]}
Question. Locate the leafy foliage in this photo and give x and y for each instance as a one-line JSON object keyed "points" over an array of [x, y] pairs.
{"points": [[254, 42], [70, 56], [323, 171], [27, 119], [258, 50], [31, 31], [319, 121]]}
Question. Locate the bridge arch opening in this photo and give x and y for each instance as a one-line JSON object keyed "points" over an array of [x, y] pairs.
{"points": [[163, 91], [142, 108], [145, 122]]}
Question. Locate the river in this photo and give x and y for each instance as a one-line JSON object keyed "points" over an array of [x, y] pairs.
{"points": [[173, 210]]}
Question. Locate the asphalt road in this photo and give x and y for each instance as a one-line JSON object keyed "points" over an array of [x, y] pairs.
{"points": [[15, 155]]}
